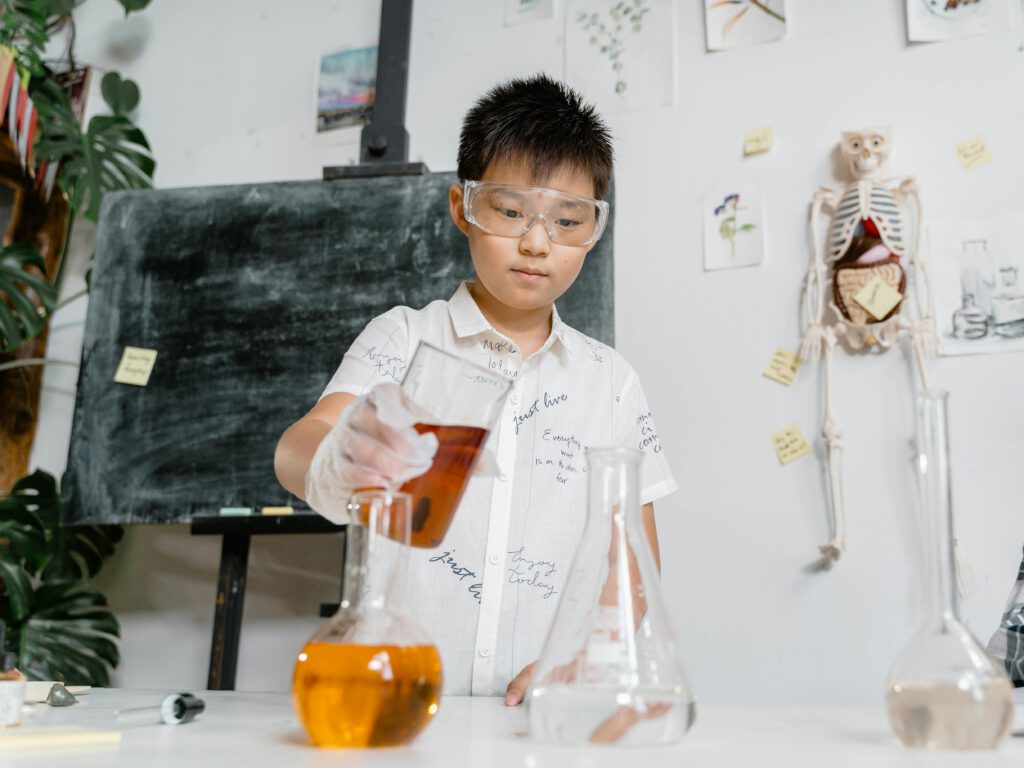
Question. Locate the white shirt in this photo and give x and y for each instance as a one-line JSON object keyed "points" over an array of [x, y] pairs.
{"points": [[488, 593]]}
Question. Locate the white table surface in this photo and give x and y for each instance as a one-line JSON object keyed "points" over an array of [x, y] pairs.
{"points": [[257, 729]]}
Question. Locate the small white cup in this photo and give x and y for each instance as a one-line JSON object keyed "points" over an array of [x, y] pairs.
{"points": [[12, 695]]}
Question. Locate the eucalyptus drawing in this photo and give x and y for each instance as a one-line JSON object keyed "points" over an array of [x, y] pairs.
{"points": [[624, 20], [736, 23]]}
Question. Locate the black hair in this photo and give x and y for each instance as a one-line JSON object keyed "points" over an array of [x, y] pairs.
{"points": [[538, 121]]}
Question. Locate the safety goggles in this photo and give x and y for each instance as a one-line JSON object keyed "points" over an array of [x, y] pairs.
{"points": [[507, 210]]}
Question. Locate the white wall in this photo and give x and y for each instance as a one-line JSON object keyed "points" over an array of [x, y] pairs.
{"points": [[227, 88]]}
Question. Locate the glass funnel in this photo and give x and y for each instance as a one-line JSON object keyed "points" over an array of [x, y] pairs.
{"points": [[370, 676], [944, 691], [610, 670]]}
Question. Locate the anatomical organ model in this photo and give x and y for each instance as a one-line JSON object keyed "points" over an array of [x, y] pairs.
{"points": [[856, 287]]}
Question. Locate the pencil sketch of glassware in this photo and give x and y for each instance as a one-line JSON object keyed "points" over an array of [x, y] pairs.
{"points": [[624, 19], [1008, 305]]}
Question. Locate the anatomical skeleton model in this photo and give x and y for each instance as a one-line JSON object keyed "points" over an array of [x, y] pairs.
{"points": [[866, 255]]}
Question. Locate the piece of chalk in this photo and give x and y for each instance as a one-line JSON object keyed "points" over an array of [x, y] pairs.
{"points": [[230, 511], [276, 511]]}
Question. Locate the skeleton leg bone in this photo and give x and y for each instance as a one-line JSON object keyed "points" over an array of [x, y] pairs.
{"points": [[831, 551]]}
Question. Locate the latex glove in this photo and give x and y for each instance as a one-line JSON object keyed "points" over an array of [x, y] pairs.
{"points": [[373, 445]]}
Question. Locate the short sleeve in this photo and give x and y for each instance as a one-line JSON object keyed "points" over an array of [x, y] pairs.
{"points": [[380, 353], [634, 428]]}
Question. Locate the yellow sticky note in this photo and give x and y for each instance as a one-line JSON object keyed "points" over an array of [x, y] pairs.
{"points": [[878, 298], [276, 511], [136, 365], [758, 140], [790, 444], [973, 153], [783, 366]]}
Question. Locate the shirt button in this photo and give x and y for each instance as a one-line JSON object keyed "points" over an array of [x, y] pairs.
{"points": [[503, 476], [493, 559], [514, 397], [484, 652]]}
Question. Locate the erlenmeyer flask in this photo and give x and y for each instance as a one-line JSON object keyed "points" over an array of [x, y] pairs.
{"points": [[610, 670], [370, 676], [944, 691]]}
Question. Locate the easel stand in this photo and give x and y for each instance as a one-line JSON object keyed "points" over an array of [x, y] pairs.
{"points": [[234, 561]]}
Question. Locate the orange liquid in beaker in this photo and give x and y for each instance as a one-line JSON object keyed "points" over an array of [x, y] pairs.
{"points": [[366, 695], [436, 494]]}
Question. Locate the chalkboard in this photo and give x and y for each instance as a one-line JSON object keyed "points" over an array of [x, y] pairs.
{"points": [[250, 295]]}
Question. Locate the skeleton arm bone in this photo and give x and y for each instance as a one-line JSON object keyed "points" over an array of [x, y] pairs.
{"points": [[814, 283], [923, 331]]}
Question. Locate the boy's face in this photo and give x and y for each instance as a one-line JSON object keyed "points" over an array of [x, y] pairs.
{"points": [[528, 272]]}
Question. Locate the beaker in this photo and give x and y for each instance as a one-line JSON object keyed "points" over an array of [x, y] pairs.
{"points": [[610, 670], [943, 691], [370, 676], [459, 402]]}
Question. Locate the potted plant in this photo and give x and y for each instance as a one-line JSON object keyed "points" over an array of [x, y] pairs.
{"points": [[59, 626]]}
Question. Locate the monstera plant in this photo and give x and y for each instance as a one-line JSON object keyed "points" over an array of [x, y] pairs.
{"points": [[58, 625], [110, 153]]}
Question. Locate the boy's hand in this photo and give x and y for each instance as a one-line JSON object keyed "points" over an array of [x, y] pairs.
{"points": [[373, 445], [517, 688]]}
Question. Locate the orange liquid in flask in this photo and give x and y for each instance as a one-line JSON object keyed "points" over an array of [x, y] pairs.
{"points": [[366, 695]]}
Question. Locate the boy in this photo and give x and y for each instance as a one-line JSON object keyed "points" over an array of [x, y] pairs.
{"points": [[533, 161]]}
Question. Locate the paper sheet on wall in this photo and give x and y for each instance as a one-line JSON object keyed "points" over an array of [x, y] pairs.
{"points": [[790, 444], [734, 225], [977, 271], [740, 23], [622, 61], [934, 20]]}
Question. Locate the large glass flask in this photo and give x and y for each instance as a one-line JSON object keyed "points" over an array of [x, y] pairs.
{"points": [[610, 669], [370, 677], [460, 402], [944, 691]]}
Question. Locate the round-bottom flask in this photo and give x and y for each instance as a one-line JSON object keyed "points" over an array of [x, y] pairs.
{"points": [[610, 671], [944, 690], [370, 677]]}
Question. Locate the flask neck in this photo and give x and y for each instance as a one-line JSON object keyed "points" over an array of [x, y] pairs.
{"points": [[614, 492], [376, 548], [938, 560]]}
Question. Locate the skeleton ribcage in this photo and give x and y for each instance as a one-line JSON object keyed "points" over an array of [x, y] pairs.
{"points": [[867, 200]]}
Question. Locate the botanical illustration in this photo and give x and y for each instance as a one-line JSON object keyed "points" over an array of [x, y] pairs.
{"points": [[625, 19], [621, 53], [734, 227], [730, 225], [736, 23]]}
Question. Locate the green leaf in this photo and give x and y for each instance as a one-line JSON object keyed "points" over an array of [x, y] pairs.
{"points": [[71, 635], [111, 154], [20, 289], [726, 230], [61, 7], [133, 5], [122, 96], [747, 228], [16, 583], [23, 27]]}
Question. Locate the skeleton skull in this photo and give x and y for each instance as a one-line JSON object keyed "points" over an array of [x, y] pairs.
{"points": [[866, 151]]}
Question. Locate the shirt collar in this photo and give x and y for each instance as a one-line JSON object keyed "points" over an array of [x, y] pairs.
{"points": [[468, 320]]}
